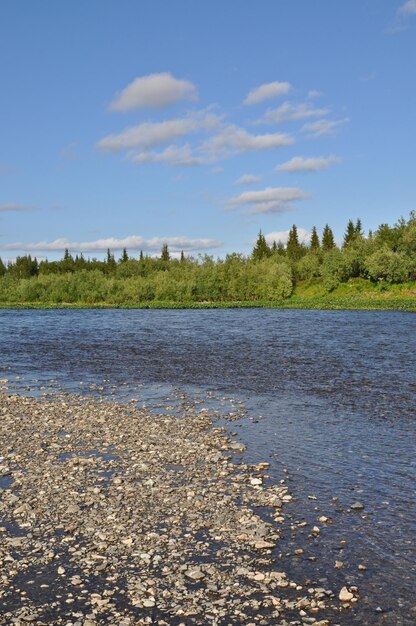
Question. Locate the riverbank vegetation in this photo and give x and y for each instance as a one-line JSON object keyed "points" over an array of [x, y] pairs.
{"points": [[377, 270]]}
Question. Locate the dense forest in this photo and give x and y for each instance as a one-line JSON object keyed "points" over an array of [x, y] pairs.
{"points": [[271, 273]]}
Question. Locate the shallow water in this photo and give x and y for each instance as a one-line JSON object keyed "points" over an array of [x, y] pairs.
{"points": [[330, 397]]}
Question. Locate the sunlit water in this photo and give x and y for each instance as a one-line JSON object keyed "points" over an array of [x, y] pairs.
{"points": [[330, 398]]}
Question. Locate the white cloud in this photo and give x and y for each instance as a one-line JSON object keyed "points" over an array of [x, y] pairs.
{"points": [[248, 179], [233, 140], [133, 242], [269, 200], [14, 208], [267, 92], [323, 127], [288, 112], [408, 8], [179, 156], [151, 134], [307, 164], [154, 90], [282, 236]]}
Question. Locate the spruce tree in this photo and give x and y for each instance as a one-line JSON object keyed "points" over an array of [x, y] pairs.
{"points": [[328, 241], [2, 268], [315, 245], [293, 247], [261, 250], [350, 233], [110, 262], [182, 257], [165, 256], [124, 256], [358, 228]]}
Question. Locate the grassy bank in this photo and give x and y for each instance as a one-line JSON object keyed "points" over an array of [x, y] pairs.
{"points": [[354, 295]]}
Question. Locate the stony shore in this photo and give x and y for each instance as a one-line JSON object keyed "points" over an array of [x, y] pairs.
{"points": [[110, 515]]}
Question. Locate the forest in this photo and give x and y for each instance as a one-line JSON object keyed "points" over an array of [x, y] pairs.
{"points": [[374, 262]]}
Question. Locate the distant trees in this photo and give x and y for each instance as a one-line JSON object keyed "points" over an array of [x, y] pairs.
{"points": [[270, 272]]}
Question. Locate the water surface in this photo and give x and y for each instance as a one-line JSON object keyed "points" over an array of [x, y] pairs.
{"points": [[330, 398]]}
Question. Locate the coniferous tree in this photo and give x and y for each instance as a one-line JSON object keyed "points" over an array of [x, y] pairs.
{"points": [[358, 228], [350, 233], [2, 268], [328, 241], [124, 256], [182, 257], [165, 256], [261, 250], [141, 255], [110, 262], [315, 244], [293, 247]]}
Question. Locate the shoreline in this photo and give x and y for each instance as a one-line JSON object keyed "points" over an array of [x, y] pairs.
{"points": [[130, 517], [315, 304]]}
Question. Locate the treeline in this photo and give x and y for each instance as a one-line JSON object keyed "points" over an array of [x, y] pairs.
{"points": [[270, 272]]}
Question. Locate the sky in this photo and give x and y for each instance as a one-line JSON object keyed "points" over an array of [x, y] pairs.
{"points": [[197, 124]]}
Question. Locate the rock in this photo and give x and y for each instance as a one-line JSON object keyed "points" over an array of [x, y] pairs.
{"points": [[256, 482], [345, 595], [194, 574], [357, 506]]}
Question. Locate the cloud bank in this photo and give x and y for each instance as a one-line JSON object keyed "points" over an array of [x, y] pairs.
{"points": [[133, 242]]}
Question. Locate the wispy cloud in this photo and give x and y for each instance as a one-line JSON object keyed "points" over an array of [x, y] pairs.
{"points": [[289, 112], [14, 208], [248, 179], [154, 91], [133, 242], [307, 164], [282, 236], [233, 140], [314, 93], [177, 156], [408, 8], [269, 200], [267, 91], [402, 16], [323, 127], [151, 134]]}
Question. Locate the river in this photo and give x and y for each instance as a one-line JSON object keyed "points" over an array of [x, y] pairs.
{"points": [[329, 398]]}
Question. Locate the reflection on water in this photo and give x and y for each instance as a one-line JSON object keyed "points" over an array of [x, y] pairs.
{"points": [[329, 398]]}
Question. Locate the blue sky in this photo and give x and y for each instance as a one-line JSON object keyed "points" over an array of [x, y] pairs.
{"points": [[198, 123]]}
